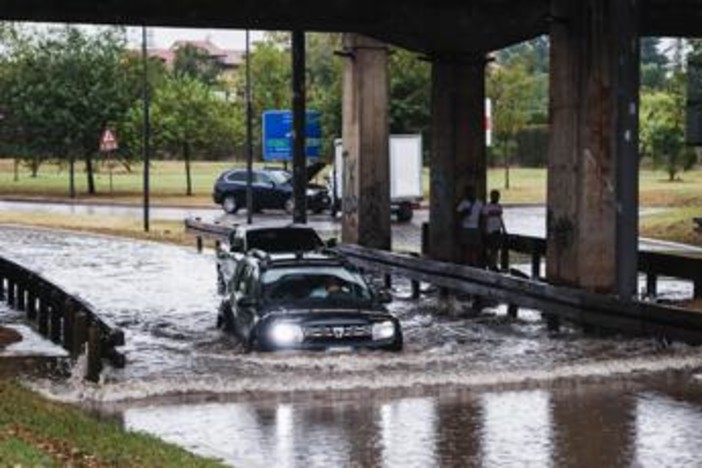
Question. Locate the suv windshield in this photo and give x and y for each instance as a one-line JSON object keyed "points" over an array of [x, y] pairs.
{"points": [[280, 177], [314, 283]]}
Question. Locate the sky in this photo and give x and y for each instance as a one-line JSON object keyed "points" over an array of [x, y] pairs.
{"points": [[163, 38]]}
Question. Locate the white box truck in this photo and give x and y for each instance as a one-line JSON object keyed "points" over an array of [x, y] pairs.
{"points": [[406, 191]]}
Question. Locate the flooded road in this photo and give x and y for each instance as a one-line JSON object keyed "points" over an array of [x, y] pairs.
{"points": [[468, 390]]}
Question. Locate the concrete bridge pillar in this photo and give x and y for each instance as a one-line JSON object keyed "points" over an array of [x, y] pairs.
{"points": [[458, 147], [366, 197], [593, 152]]}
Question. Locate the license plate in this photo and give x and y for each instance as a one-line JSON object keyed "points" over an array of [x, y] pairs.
{"points": [[340, 349]]}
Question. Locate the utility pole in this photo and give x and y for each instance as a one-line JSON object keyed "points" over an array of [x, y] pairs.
{"points": [[299, 159]]}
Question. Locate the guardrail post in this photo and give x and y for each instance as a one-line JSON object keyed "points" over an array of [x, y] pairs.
{"points": [[553, 322], [21, 292], [68, 324], [94, 354], [44, 308], [651, 284], [199, 244], [697, 292], [512, 310], [80, 333], [32, 300], [504, 255], [55, 318], [10, 290], [535, 265], [425, 238], [388, 281], [2, 282]]}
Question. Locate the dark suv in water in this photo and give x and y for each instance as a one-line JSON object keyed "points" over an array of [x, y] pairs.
{"points": [[272, 189], [306, 300]]}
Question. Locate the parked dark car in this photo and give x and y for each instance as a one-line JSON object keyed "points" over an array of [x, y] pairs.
{"points": [[309, 301], [271, 239], [272, 189]]}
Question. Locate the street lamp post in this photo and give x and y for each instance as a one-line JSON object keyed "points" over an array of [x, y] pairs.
{"points": [[146, 129]]}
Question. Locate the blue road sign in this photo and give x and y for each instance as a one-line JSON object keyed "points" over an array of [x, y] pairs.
{"points": [[277, 135]]}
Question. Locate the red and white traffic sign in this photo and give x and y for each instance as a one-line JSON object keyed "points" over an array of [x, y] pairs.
{"points": [[108, 141]]}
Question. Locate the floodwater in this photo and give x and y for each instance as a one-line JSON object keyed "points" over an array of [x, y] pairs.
{"points": [[640, 422], [467, 390]]}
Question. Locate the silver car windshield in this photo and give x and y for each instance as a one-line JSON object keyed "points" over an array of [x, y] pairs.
{"points": [[314, 283]]}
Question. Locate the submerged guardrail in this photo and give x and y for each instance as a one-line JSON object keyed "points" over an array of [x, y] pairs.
{"points": [[66, 320]]}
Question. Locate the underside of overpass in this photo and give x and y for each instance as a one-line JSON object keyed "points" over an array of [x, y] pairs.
{"points": [[593, 158]]}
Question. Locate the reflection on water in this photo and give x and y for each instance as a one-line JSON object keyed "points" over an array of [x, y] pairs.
{"points": [[618, 424], [516, 429]]}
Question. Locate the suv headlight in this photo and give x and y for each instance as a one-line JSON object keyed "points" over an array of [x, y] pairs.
{"points": [[286, 333], [383, 330], [312, 192]]}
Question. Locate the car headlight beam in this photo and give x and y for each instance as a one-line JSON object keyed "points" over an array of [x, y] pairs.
{"points": [[285, 334], [383, 330]]}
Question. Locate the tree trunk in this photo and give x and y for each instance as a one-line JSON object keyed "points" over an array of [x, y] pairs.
{"points": [[35, 167], [189, 182], [90, 174], [506, 166], [72, 177]]}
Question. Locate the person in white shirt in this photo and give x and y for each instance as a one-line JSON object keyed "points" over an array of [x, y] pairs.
{"points": [[471, 210], [494, 229]]}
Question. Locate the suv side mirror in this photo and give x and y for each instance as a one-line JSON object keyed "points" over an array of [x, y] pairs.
{"points": [[383, 296], [236, 244], [331, 243]]}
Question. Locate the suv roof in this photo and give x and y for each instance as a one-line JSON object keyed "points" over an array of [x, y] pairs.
{"points": [[312, 170], [289, 238], [324, 257]]}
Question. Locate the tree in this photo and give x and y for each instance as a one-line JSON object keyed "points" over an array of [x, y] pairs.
{"points": [[194, 62], [187, 118], [662, 132], [324, 72], [410, 94], [653, 64], [510, 88], [63, 88]]}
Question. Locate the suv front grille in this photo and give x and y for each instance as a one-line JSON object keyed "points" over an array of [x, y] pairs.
{"points": [[317, 332]]}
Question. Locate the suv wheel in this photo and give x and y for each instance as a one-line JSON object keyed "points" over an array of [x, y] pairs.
{"points": [[230, 204], [289, 206]]}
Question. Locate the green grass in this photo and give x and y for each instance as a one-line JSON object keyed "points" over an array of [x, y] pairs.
{"points": [[17, 452], [683, 197], [527, 185], [33, 430]]}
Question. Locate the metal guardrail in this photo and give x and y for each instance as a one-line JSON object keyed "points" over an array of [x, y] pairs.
{"points": [[636, 317], [653, 264], [608, 312], [66, 320]]}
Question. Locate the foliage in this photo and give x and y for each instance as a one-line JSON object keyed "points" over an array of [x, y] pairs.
{"points": [[324, 81], [410, 94], [510, 88], [187, 119], [60, 90], [662, 134], [195, 63], [653, 64]]}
